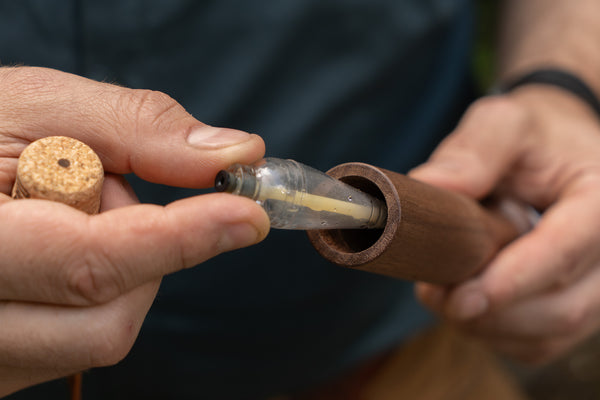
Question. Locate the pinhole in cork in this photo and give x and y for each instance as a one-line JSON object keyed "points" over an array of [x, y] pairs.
{"points": [[63, 162]]}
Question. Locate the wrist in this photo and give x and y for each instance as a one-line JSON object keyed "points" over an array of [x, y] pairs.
{"points": [[556, 78], [579, 69], [547, 100], [536, 34]]}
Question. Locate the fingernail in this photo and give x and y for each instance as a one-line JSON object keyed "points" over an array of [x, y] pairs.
{"points": [[210, 137], [471, 306], [240, 235]]}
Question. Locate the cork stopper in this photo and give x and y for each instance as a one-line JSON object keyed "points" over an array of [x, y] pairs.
{"points": [[61, 169]]}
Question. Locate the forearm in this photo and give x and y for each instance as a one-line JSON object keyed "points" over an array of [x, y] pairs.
{"points": [[556, 33]]}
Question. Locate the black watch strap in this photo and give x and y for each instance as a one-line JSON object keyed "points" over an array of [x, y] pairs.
{"points": [[556, 77]]}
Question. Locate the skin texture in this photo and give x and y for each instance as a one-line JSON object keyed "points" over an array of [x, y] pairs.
{"points": [[74, 288], [539, 144]]}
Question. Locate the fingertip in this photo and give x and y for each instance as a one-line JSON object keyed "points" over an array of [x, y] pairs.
{"points": [[480, 151], [435, 171], [247, 152], [243, 221], [206, 137], [260, 219], [116, 192], [467, 302], [211, 161], [431, 296], [501, 283], [259, 145], [245, 224], [470, 306], [451, 174]]}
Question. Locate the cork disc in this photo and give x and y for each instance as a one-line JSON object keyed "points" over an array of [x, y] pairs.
{"points": [[60, 169]]}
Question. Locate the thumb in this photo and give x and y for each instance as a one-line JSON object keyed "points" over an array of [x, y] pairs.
{"points": [[140, 131], [480, 151]]}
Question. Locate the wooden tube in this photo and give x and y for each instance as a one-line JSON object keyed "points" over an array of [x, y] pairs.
{"points": [[431, 234]]}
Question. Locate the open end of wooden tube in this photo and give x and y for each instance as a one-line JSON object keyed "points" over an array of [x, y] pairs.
{"points": [[354, 247], [355, 240]]}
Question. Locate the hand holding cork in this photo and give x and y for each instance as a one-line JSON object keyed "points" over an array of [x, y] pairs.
{"points": [[55, 257]]}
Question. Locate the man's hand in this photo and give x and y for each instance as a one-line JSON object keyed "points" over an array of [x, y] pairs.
{"points": [[74, 289], [539, 296]]}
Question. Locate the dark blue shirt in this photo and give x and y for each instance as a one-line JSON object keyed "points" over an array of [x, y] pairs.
{"points": [[323, 82]]}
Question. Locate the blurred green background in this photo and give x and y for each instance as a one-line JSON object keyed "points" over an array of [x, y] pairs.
{"points": [[484, 55]]}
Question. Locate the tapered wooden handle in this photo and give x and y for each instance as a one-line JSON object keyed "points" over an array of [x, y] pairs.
{"points": [[431, 234]]}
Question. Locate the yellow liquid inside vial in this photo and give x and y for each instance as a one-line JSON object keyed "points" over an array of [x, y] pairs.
{"points": [[320, 203]]}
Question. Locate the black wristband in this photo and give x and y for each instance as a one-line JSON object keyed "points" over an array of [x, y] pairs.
{"points": [[560, 78]]}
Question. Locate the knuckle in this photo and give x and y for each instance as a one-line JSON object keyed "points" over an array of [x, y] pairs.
{"points": [[501, 110], [498, 106], [25, 86], [90, 282], [481, 124], [34, 80], [153, 109]]}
